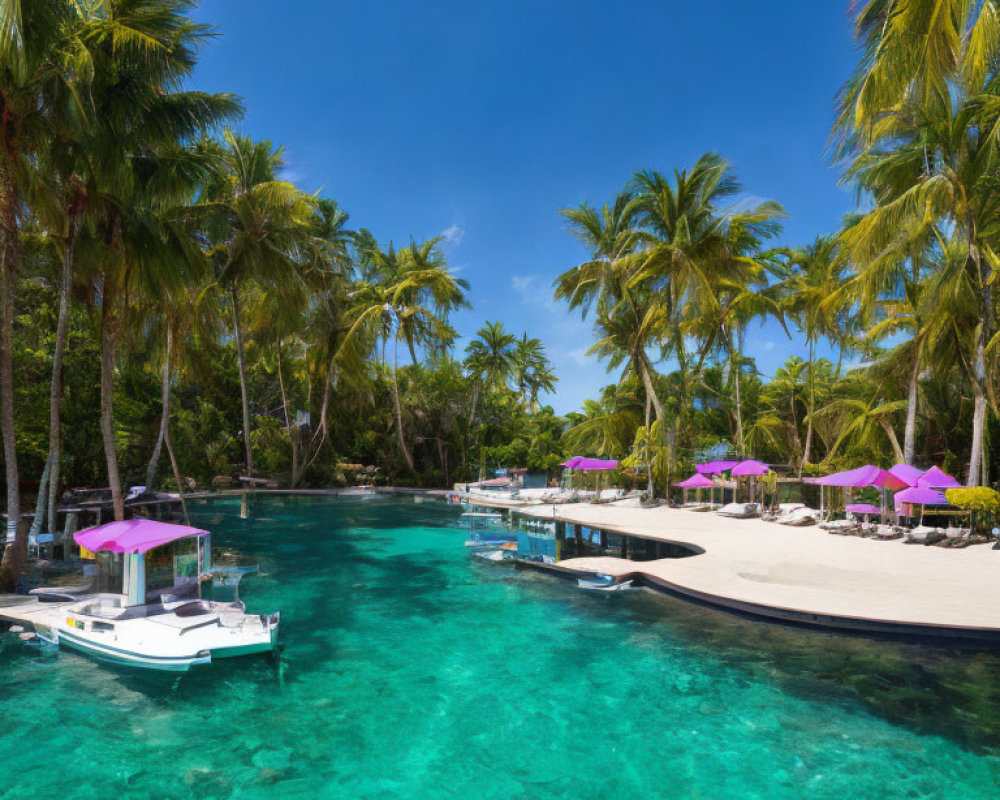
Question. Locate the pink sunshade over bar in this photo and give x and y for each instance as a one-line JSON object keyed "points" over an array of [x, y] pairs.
{"points": [[133, 535]]}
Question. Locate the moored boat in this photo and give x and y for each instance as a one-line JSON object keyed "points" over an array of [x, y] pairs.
{"points": [[159, 619]]}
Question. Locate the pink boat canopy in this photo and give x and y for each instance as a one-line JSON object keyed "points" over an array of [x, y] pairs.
{"points": [[696, 481], [863, 476], [133, 535], [937, 478], [715, 467], [907, 474], [920, 496], [750, 468], [580, 462]]}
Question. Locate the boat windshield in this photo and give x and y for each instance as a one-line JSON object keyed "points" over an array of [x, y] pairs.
{"points": [[172, 571]]}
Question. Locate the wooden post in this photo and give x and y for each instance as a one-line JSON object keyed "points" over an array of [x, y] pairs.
{"points": [[578, 536], [560, 539]]}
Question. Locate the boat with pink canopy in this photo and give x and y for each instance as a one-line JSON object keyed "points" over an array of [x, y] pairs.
{"points": [[146, 607]]}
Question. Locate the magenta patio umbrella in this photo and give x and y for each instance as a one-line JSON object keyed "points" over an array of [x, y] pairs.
{"points": [[907, 473], [918, 496], [595, 464], [715, 467], [750, 468], [937, 478], [921, 496], [861, 477], [696, 481], [571, 464]]}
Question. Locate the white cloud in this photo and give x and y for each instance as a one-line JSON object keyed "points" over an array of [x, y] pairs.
{"points": [[580, 356], [769, 345], [453, 235], [523, 285]]}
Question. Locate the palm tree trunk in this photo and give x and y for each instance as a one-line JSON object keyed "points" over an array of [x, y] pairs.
{"points": [[55, 385], [812, 404], [398, 407], [734, 368], [891, 433], [166, 428], [281, 386], [910, 432], [154, 459], [978, 429], [107, 407], [13, 556], [40, 506], [238, 334]]}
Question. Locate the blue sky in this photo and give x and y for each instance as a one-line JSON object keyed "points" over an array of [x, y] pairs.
{"points": [[480, 119]]}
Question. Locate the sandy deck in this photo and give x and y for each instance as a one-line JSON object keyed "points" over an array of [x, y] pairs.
{"points": [[762, 565]]}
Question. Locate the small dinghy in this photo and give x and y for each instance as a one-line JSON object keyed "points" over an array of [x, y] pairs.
{"points": [[603, 583]]}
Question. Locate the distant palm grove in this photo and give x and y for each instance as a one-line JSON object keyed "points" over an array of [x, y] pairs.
{"points": [[172, 310]]}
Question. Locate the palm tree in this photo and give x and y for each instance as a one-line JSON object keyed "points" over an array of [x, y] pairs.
{"points": [[912, 119], [816, 277], [260, 232], [411, 305], [532, 371], [41, 64]]}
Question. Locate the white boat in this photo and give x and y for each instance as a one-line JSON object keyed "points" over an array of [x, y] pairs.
{"points": [[159, 620], [603, 583]]}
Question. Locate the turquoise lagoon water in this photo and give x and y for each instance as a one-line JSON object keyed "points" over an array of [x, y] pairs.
{"points": [[409, 671]]}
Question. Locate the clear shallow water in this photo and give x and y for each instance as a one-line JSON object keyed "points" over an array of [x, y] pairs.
{"points": [[409, 671]]}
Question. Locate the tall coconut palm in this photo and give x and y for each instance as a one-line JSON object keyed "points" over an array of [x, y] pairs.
{"points": [[260, 232], [42, 64], [139, 167], [912, 119], [817, 275], [410, 305]]}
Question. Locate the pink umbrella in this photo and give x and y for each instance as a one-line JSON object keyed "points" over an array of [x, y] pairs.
{"points": [[750, 468], [715, 467], [921, 496], [861, 477], [937, 478], [571, 464], [696, 481], [906, 473]]}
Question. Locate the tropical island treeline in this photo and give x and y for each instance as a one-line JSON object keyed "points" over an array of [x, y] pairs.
{"points": [[172, 308]]}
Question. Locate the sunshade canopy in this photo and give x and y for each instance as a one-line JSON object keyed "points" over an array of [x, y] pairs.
{"points": [[580, 462], [716, 467], [861, 477], [862, 508], [937, 478], [133, 535], [750, 467], [922, 496], [696, 481], [906, 473]]}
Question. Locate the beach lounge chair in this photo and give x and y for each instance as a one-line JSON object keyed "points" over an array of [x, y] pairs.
{"points": [[924, 534], [740, 510], [844, 527], [798, 517]]}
